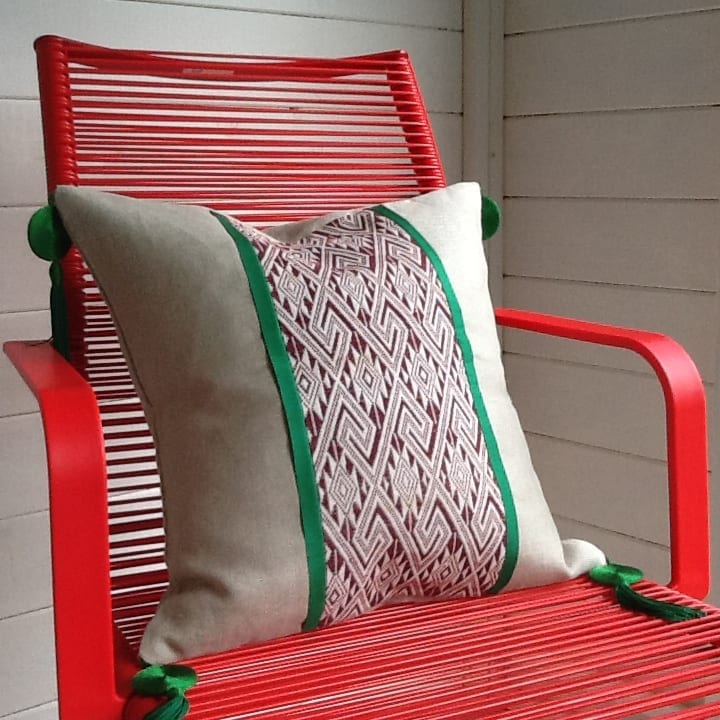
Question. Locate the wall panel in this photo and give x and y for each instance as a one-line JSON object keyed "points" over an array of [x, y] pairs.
{"points": [[24, 281], [22, 180], [682, 50], [422, 13], [662, 154], [27, 662], [610, 409], [23, 490], [531, 15], [612, 168], [25, 564], [684, 315], [602, 488], [46, 711], [15, 398], [652, 243], [447, 128]]}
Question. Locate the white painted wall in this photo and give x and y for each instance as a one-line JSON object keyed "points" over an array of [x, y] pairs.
{"points": [[431, 30], [612, 180]]}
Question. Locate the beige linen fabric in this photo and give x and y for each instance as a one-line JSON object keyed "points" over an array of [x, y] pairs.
{"points": [[179, 296]]}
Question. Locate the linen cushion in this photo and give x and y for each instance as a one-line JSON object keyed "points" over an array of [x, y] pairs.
{"points": [[329, 409]]}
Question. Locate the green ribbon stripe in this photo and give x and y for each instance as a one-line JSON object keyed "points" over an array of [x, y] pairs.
{"points": [[302, 457]]}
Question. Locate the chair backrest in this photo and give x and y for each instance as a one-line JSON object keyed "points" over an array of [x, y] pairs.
{"points": [[266, 139]]}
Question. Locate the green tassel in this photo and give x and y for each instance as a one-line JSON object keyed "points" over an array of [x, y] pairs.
{"points": [[175, 708], [622, 576], [491, 216], [49, 241], [169, 680]]}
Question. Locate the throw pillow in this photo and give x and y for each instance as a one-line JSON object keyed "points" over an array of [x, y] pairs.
{"points": [[330, 413]]}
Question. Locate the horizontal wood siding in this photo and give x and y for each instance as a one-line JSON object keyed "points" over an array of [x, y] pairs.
{"points": [[26, 570], [612, 180], [46, 711], [682, 314], [633, 155], [579, 477], [612, 251], [523, 16], [22, 450], [430, 30], [436, 14], [27, 662], [638, 65]]}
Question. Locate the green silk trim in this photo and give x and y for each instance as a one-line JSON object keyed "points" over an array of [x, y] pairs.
{"points": [[59, 311], [512, 549], [295, 416], [490, 217], [49, 241], [620, 577], [171, 681]]}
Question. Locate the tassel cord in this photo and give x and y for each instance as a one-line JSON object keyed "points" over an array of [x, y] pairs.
{"points": [[620, 577], [171, 681]]}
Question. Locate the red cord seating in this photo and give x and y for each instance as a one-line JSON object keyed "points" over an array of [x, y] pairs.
{"points": [[274, 139]]}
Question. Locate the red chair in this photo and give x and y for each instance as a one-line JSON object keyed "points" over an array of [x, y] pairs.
{"points": [[301, 137]]}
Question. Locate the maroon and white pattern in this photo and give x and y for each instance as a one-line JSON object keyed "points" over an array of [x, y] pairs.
{"points": [[410, 505]]}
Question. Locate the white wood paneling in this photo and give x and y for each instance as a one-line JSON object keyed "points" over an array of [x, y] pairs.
{"points": [[483, 95], [25, 564], [682, 50], [535, 345], [22, 180], [447, 129], [607, 408], [27, 661], [603, 488], [662, 154], [24, 281], [529, 15], [422, 13], [652, 559], [612, 167], [23, 473], [646, 243], [436, 53], [684, 315], [46, 711], [15, 398]]}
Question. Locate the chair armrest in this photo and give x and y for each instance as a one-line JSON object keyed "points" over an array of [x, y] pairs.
{"points": [[85, 644], [685, 411]]}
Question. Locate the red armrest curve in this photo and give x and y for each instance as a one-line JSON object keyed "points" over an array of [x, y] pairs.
{"points": [[85, 643], [686, 433]]}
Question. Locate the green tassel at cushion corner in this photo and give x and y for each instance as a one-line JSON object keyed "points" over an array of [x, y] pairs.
{"points": [[49, 241], [47, 236], [171, 681], [622, 576], [490, 217], [175, 708]]}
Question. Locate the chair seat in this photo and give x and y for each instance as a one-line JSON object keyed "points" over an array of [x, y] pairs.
{"points": [[565, 651]]}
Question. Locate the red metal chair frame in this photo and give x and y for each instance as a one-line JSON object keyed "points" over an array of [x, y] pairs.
{"points": [[567, 651]]}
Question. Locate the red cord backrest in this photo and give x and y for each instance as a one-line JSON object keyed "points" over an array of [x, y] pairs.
{"points": [[266, 139]]}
